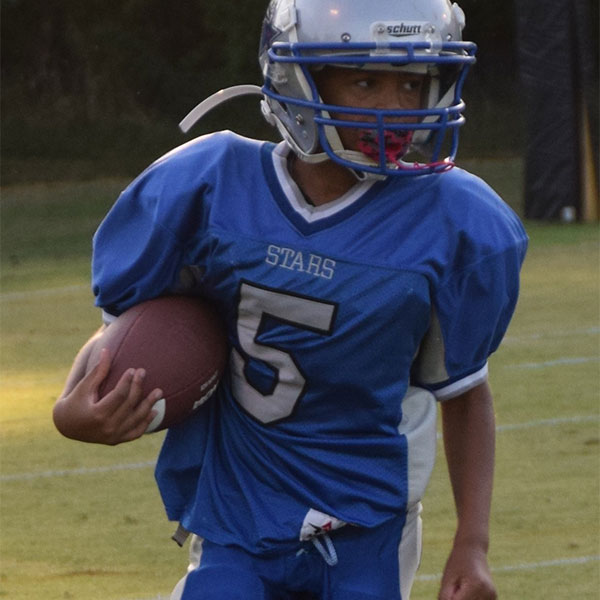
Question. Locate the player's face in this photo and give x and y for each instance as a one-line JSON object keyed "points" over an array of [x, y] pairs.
{"points": [[368, 89]]}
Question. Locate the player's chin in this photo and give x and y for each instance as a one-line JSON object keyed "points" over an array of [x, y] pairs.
{"points": [[350, 138]]}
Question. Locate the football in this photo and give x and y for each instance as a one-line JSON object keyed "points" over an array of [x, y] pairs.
{"points": [[180, 341]]}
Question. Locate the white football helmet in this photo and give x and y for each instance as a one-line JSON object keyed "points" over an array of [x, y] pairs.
{"points": [[419, 36]]}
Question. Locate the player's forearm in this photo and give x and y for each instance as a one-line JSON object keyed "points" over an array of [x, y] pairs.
{"points": [[469, 441], [63, 414]]}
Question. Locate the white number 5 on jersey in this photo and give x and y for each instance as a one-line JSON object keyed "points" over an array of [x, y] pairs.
{"points": [[304, 313]]}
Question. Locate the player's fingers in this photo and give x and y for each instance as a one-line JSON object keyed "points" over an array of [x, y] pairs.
{"points": [[121, 398], [138, 421], [450, 587], [136, 388], [145, 410], [148, 418], [470, 590], [99, 371], [447, 591], [139, 409], [86, 390], [125, 416], [132, 390]]}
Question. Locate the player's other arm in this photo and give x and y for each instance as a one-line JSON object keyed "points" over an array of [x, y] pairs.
{"points": [[122, 415], [469, 442]]}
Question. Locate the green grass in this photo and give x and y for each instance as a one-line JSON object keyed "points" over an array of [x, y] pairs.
{"points": [[47, 230], [71, 526]]}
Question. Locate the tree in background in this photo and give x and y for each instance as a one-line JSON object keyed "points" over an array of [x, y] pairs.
{"points": [[112, 78], [83, 79], [110, 57]]}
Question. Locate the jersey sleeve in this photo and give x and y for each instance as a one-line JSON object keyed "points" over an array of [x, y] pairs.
{"points": [[471, 310], [139, 250]]}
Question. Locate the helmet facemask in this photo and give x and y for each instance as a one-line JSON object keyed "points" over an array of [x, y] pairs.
{"points": [[393, 141]]}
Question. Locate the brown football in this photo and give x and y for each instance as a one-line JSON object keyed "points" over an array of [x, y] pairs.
{"points": [[181, 343]]}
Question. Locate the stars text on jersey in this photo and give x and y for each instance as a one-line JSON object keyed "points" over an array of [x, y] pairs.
{"points": [[303, 262]]}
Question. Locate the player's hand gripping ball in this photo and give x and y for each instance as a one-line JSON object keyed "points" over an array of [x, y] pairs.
{"points": [[181, 343]]}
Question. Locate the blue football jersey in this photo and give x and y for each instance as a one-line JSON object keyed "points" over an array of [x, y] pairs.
{"points": [[332, 312]]}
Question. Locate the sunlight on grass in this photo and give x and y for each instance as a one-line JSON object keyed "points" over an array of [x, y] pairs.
{"points": [[28, 397]]}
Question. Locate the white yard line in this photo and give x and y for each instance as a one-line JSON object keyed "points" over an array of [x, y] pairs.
{"points": [[547, 564], [78, 471], [557, 362], [512, 339], [20, 296], [548, 422]]}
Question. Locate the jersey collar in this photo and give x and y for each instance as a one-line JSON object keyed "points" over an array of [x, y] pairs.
{"points": [[292, 201]]}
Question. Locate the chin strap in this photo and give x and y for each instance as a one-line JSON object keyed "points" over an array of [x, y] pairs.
{"points": [[213, 101]]}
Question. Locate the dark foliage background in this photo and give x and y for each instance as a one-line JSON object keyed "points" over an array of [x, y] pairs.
{"points": [[98, 87]]}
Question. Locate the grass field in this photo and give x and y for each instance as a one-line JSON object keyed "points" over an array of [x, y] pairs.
{"points": [[85, 522]]}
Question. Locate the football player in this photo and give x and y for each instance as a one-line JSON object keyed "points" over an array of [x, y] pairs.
{"points": [[364, 279]]}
